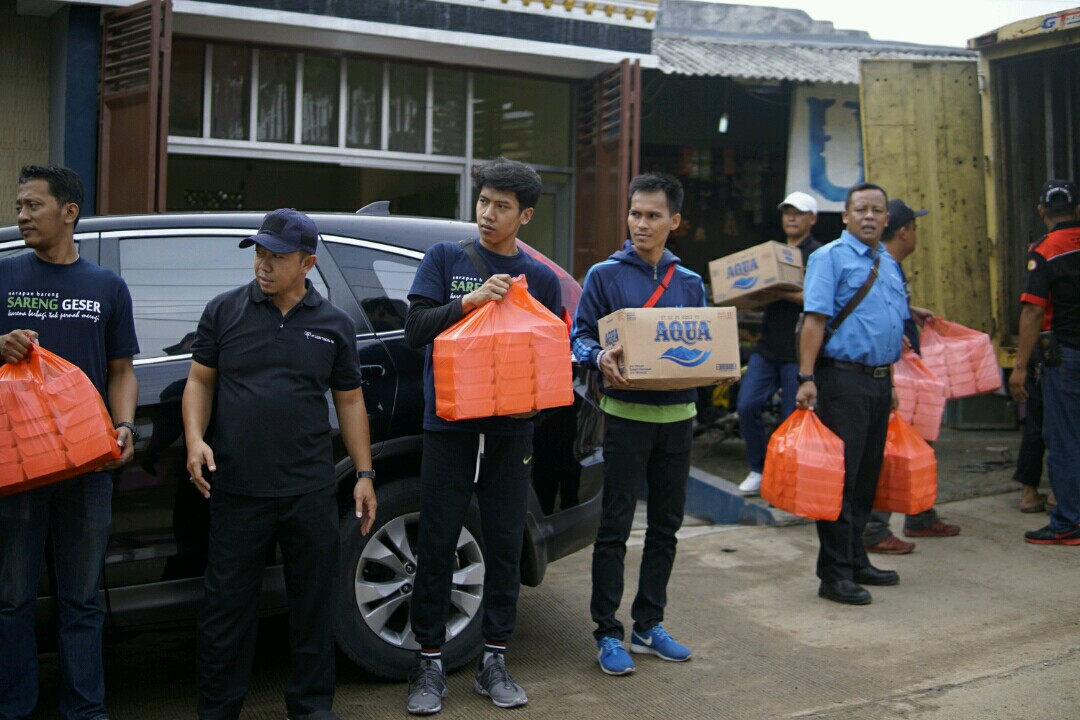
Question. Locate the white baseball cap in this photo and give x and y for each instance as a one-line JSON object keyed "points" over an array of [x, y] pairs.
{"points": [[800, 201]]}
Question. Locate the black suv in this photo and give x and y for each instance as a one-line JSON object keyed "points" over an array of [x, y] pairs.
{"points": [[174, 264]]}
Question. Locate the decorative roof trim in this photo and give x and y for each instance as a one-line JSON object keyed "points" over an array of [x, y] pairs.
{"points": [[636, 13]]}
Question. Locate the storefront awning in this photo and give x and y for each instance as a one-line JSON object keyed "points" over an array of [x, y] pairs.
{"points": [[784, 58]]}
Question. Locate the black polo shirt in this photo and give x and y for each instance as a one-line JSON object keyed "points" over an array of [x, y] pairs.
{"points": [[271, 419], [777, 342]]}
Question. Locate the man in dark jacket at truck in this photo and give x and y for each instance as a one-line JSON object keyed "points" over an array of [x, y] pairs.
{"points": [[648, 432]]}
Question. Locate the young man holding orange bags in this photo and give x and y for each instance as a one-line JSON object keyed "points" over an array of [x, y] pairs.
{"points": [[486, 456]]}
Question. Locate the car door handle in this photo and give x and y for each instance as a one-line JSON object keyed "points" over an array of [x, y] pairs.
{"points": [[371, 371]]}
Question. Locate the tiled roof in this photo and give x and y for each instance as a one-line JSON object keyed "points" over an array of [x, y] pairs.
{"points": [[785, 58]]}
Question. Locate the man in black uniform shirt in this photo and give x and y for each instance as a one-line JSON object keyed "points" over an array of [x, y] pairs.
{"points": [[775, 361], [263, 358], [1053, 277]]}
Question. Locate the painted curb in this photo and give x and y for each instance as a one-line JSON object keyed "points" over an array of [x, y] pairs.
{"points": [[717, 500]]}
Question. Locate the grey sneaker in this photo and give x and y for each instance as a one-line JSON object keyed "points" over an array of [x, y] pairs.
{"points": [[427, 688], [493, 680]]}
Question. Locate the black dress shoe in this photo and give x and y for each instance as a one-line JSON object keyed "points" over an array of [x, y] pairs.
{"points": [[844, 591], [870, 575]]}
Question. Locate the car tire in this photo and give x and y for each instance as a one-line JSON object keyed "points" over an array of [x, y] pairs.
{"points": [[376, 576]]}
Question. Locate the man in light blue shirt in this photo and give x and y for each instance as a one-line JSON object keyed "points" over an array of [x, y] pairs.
{"points": [[850, 386]]}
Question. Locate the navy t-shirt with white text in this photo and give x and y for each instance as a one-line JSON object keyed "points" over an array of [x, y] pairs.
{"points": [[446, 273], [80, 311]]}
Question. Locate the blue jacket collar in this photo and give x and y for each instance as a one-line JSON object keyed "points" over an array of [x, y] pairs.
{"points": [[630, 257]]}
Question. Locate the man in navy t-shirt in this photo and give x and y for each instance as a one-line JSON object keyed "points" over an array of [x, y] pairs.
{"points": [[488, 456], [82, 313]]}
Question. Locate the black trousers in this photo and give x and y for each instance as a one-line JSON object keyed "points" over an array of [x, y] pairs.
{"points": [[637, 453], [243, 531], [855, 407], [447, 471], [1029, 460]]}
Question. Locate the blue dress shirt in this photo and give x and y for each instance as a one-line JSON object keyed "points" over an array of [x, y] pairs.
{"points": [[871, 335]]}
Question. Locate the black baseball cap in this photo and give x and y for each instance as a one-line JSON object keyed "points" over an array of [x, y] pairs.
{"points": [[285, 231], [1059, 194], [900, 214]]}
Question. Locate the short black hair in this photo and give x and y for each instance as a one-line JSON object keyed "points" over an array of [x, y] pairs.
{"points": [[64, 183], [860, 188], [510, 176], [659, 182]]}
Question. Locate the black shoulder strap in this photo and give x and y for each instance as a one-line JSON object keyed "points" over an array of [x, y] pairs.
{"points": [[858, 297], [469, 246]]}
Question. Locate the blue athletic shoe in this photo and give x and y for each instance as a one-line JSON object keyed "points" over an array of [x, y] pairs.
{"points": [[613, 657], [658, 642]]}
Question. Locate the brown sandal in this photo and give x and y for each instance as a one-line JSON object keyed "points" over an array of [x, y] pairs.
{"points": [[1035, 507]]}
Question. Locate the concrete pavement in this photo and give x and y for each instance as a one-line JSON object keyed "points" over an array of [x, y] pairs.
{"points": [[982, 626]]}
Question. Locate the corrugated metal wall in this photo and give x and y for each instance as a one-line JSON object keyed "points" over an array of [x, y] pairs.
{"points": [[24, 87]]}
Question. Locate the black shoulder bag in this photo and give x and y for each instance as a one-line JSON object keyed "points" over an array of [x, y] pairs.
{"points": [[481, 266]]}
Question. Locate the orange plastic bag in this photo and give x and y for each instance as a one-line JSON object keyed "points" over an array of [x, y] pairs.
{"points": [[804, 468], [962, 358], [507, 357], [908, 480], [921, 395], [53, 423]]}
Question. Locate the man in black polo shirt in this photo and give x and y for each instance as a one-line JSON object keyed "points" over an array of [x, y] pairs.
{"points": [[263, 358], [775, 360]]}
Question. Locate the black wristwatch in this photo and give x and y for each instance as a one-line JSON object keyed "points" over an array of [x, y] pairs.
{"points": [[368, 474], [131, 427], [804, 378]]}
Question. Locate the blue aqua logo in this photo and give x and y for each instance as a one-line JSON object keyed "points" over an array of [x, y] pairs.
{"points": [[745, 283], [689, 332], [685, 356], [745, 267], [611, 337]]}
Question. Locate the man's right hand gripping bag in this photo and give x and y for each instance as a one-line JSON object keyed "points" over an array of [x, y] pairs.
{"points": [[804, 468], [53, 423], [505, 358], [908, 480]]}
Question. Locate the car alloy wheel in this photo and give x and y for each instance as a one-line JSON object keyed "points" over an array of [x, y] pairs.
{"points": [[386, 574]]}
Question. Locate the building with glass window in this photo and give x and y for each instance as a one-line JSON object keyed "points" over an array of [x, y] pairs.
{"points": [[256, 104], [335, 104]]}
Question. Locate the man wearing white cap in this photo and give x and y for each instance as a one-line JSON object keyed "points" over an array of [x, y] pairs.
{"points": [[774, 363]]}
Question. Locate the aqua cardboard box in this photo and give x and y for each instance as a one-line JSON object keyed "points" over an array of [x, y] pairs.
{"points": [[673, 348], [751, 277]]}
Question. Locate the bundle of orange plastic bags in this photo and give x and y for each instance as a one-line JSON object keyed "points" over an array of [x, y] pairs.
{"points": [[908, 480], [804, 468], [53, 423], [960, 357], [921, 395], [505, 358]]}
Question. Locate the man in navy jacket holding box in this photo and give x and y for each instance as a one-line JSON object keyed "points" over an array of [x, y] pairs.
{"points": [[648, 432]]}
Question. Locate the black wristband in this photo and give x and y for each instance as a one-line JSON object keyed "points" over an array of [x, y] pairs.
{"points": [[804, 378], [129, 426]]}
